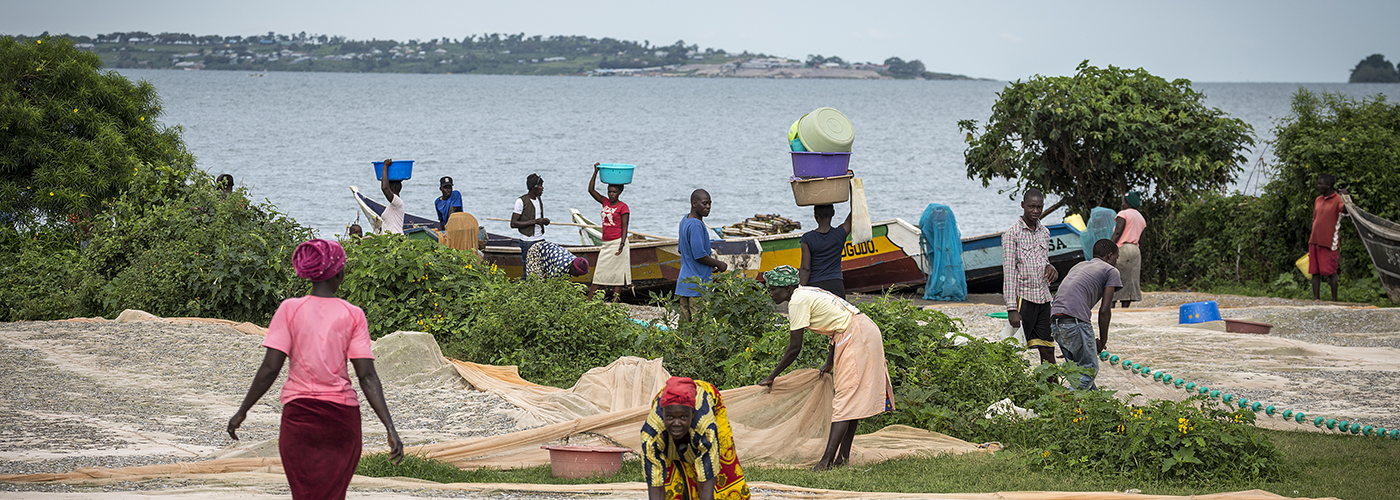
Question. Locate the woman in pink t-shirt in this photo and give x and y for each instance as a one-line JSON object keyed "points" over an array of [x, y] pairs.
{"points": [[614, 259], [320, 435]]}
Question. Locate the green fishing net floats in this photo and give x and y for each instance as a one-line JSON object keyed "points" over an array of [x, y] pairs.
{"points": [[1317, 422], [1355, 428], [1287, 413], [1269, 410], [1167, 379], [1224, 397], [1145, 371], [1137, 366], [1191, 386], [1180, 382], [1366, 430], [1157, 376], [1299, 417], [1244, 403], [1331, 423], [1257, 406]]}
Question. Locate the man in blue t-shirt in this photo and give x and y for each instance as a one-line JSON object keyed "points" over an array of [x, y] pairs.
{"points": [[449, 203], [694, 245]]}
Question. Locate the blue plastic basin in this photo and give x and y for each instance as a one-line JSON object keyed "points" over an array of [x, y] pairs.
{"points": [[400, 170], [1199, 312], [807, 165], [616, 173]]}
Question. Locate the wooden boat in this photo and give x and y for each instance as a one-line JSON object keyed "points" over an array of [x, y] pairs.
{"points": [[1382, 240], [982, 257], [656, 263]]}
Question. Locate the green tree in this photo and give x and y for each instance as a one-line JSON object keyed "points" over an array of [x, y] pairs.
{"points": [[1095, 135], [72, 136], [1374, 69], [1358, 141]]}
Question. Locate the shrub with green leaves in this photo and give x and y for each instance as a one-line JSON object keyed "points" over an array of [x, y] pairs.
{"points": [[733, 339], [412, 285], [173, 245], [1196, 439]]}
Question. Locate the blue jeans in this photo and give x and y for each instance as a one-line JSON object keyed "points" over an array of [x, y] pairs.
{"points": [[1077, 343]]}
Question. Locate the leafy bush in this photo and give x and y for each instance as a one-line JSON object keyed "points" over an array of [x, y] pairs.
{"points": [[1190, 440], [546, 327], [173, 245], [36, 282], [413, 285], [733, 339]]}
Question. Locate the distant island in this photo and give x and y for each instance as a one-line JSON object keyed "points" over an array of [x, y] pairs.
{"points": [[490, 54], [1374, 69]]}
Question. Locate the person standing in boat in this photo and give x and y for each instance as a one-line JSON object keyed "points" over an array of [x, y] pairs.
{"points": [[1323, 258], [822, 250], [449, 203], [392, 218], [857, 356], [1027, 274], [528, 215], [614, 259], [694, 246], [1127, 230]]}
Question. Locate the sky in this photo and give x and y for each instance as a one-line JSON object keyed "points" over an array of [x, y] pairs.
{"points": [[1210, 41]]}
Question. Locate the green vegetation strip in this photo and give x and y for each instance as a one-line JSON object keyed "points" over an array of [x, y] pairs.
{"points": [[1318, 465], [1245, 404]]}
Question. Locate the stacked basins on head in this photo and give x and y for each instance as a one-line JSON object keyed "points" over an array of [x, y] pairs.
{"points": [[821, 157]]}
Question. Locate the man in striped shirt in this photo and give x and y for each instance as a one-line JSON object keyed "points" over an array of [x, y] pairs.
{"points": [[1027, 274]]}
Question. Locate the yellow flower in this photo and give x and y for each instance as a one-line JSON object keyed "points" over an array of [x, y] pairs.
{"points": [[38, 41], [1046, 453], [1121, 429]]}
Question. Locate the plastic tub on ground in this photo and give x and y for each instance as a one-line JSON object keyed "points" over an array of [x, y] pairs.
{"points": [[825, 191], [616, 173], [1198, 312], [576, 462], [400, 170], [809, 165]]}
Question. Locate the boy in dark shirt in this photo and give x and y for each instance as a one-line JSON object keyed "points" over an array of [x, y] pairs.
{"points": [[1086, 283]]}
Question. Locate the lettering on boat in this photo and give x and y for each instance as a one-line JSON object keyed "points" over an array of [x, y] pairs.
{"points": [[866, 248], [1057, 244]]}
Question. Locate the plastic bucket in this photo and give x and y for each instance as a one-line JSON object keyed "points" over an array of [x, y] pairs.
{"points": [[826, 130], [1199, 312], [400, 170], [1302, 264], [576, 462], [616, 173], [809, 165], [827, 191]]}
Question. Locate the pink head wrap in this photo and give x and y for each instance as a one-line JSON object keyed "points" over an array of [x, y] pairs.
{"points": [[579, 267], [318, 260]]}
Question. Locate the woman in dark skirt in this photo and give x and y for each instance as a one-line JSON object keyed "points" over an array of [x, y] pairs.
{"points": [[320, 434]]}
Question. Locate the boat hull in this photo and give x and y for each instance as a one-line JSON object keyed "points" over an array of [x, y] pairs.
{"points": [[892, 259], [982, 257], [1382, 240]]}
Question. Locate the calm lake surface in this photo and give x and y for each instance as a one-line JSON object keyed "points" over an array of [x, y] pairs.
{"points": [[301, 139]]}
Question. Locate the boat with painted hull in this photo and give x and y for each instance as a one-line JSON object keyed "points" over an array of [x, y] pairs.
{"points": [[1382, 240], [982, 257]]}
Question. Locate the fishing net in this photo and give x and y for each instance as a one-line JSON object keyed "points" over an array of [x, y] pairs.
{"points": [[942, 247], [1100, 227]]}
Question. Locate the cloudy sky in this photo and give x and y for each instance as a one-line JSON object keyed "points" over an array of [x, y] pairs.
{"points": [[1209, 41]]}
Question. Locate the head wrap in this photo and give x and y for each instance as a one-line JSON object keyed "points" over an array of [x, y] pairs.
{"points": [[318, 260], [781, 276], [679, 391], [1133, 198], [579, 266]]}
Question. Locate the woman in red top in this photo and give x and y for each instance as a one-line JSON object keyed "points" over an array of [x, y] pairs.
{"points": [[614, 260], [320, 435]]}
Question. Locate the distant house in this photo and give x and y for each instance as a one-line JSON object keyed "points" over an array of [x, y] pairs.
{"points": [[440, 51], [553, 59]]}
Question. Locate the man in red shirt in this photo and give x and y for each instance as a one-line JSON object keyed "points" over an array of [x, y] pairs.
{"points": [[1326, 228]]}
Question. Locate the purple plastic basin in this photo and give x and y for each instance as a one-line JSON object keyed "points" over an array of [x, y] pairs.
{"points": [[807, 165]]}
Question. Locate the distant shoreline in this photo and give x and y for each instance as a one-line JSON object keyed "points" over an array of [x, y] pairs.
{"points": [[684, 72]]}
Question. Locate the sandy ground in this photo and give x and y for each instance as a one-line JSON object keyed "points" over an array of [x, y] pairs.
{"points": [[122, 394]]}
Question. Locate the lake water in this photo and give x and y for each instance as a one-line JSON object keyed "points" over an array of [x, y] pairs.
{"points": [[301, 139]]}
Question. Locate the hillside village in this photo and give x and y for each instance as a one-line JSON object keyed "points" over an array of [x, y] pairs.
{"points": [[475, 54]]}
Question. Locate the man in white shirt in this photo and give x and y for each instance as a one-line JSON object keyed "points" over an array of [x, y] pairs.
{"points": [[393, 213], [528, 215]]}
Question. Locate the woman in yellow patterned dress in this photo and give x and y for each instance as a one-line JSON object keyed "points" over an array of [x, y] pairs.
{"points": [[687, 446]]}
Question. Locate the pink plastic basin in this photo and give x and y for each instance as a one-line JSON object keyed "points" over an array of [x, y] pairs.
{"points": [[576, 462]]}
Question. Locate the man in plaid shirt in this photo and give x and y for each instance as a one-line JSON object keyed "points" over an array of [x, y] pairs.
{"points": [[1027, 274]]}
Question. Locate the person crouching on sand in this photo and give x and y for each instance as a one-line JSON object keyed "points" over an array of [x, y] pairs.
{"points": [[320, 434], [688, 447]]}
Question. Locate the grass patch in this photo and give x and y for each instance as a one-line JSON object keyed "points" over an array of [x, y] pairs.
{"points": [[1318, 465]]}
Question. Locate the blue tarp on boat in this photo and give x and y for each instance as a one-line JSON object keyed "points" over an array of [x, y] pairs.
{"points": [[1100, 227], [942, 246]]}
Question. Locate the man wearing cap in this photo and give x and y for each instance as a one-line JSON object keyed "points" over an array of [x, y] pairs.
{"points": [[547, 259], [449, 203], [528, 215], [1127, 230], [688, 447]]}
